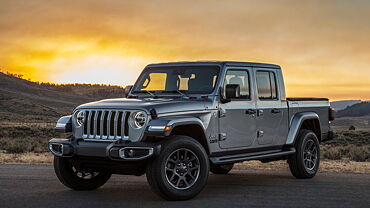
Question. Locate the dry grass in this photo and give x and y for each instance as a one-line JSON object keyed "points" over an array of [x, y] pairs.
{"points": [[15, 138], [348, 145], [347, 152], [26, 158], [27, 144]]}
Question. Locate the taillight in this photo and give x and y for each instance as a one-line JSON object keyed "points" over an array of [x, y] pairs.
{"points": [[331, 114]]}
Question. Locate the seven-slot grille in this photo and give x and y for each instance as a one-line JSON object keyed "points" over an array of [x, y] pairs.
{"points": [[106, 124]]}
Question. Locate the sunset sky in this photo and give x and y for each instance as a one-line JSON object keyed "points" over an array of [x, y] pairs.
{"points": [[323, 46]]}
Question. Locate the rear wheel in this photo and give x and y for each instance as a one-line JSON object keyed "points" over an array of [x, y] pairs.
{"points": [[76, 179], [221, 169], [180, 172], [305, 162]]}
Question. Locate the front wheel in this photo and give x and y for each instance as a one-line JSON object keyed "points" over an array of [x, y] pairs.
{"points": [[180, 172], [76, 179], [305, 162]]}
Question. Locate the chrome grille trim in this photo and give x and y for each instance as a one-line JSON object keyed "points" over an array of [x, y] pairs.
{"points": [[108, 124], [88, 124], [95, 122], [116, 125], [123, 122], [104, 131], [102, 124]]}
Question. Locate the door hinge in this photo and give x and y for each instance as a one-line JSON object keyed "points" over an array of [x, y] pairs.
{"points": [[260, 112], [221, 112], [222, 137]]}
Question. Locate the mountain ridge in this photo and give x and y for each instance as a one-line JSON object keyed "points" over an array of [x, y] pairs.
{"points": [[356, 110], [342, 104], [23, 100]]}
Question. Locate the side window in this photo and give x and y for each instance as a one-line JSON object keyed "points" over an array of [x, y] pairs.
{"points": [[240, 77], [266, 85]]}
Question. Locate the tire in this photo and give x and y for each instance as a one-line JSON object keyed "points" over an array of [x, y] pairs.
{"points": [[163, 173], [76, 179], [299, 166], [221, 169]]}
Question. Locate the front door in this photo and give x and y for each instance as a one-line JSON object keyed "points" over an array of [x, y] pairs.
{"points": [[237, 125]]}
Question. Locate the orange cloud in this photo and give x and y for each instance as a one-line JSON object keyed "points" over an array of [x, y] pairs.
{"points": [[323, 47]]}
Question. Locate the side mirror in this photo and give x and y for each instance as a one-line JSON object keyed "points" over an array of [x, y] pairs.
{"points": [[127, 90], [232, 91]]}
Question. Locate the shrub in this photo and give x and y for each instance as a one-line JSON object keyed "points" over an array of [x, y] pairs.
{"points": [[352, 128], [351, 152], [331, 153], [27, 131], [359, 154], [22, 145]]}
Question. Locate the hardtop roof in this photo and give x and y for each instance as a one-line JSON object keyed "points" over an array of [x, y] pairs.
{"points": [[220, 63]]}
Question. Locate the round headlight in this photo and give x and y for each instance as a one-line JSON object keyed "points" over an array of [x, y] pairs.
{"points": [[138, 119], [80, 117]]}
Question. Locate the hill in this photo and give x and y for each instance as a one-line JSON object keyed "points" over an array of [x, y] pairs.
{"points": [[342, 104], [25, 101], [356, 110]]}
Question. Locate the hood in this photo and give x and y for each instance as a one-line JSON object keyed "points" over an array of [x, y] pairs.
{"points": [[161, 105]]}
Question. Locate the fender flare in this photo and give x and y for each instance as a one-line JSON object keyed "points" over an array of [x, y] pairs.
{"points": [[156, 126], [64, 124], [296, 125]]}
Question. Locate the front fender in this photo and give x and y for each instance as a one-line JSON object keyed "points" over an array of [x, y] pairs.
{"points": [[158, 126], [296, 124]]}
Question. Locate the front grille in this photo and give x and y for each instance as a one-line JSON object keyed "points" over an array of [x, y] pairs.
{"points": [[106, 124]]}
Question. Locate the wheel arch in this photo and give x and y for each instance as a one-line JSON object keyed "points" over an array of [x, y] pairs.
{"points": [[196, 132], [305, 120], [187, 126]]}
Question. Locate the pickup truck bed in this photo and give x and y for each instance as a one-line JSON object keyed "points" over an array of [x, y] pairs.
{"points": [[320, 106]]}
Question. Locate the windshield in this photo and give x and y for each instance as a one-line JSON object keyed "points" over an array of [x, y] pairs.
{"points": [[180, 80]]}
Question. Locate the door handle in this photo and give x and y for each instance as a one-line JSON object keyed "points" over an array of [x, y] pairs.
{"points": [[250, 111], [275, 110]]}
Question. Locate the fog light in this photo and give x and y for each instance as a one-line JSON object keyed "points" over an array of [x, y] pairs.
{"points": [[135, 153], [130, 153]]}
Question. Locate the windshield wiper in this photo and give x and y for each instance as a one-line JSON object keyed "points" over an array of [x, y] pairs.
{"points": [[145, 91], [176, 91]]}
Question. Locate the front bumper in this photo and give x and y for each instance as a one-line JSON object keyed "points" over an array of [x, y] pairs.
{"points": [[124, 151]]}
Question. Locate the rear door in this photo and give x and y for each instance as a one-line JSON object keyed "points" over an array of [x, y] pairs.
{"points": [[237, 125], [269, 117]]}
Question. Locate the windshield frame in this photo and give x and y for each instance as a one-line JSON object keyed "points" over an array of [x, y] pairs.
{"points": [[173, 67]]}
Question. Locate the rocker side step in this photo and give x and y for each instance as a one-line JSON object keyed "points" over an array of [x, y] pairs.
{"points": [[251, 156]]}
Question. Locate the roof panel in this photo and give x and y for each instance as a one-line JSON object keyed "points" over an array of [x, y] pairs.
{"points": [[220, 63]]}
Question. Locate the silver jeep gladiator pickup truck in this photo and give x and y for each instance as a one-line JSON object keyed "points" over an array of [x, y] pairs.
{"points": [[182, 120]]}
